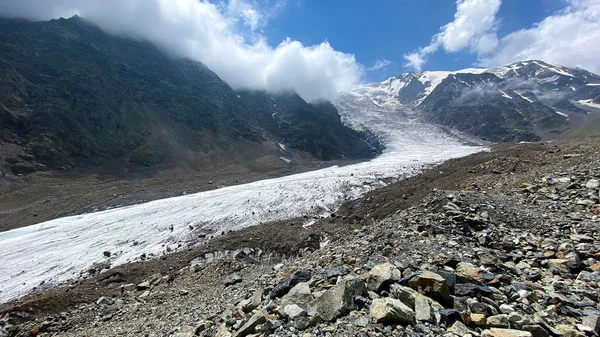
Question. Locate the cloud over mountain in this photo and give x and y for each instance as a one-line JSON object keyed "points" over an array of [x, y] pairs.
{"points": [[225, 37]]}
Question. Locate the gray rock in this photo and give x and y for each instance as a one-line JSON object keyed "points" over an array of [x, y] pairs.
{"points": [[459, 329], [300, 294], [423, 306], [498, 321], [103, 301], [471, 290], [289, 282], [339, 300], [592, 323], [232, 279], [432, 285], [333, 273], [586, 276], [391, 310], [535, 330], [593, 184], [258, 318], [381, 276], [292, 311]]}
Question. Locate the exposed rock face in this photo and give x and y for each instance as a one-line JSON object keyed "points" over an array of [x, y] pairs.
{"points": [[73, 95]]}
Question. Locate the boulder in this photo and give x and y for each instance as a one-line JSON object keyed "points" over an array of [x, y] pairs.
{"points": [[300, 294], [459, 329], [536, 330], [391, 310], [339, 300], [292, 311], [382, 276], [258, 318], [432, 285], [471, 290], [289, 282], [468, 273], [591, 323], [423, 306]]}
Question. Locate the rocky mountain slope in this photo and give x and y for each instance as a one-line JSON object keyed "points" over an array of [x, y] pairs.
{"points": [[524, 101], [71, 95], [494, 244]]}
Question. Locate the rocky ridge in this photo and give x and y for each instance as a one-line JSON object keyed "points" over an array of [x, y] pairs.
{"points": [[513, 252]]}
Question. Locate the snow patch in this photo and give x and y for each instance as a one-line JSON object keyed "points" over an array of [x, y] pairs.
{"points": [[504, 94], [523, 97], [561, 113], [589, 103], [555, 69]]}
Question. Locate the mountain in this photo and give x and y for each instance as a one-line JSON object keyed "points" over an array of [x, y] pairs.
{"points": [[523, 101], [74, 96]]}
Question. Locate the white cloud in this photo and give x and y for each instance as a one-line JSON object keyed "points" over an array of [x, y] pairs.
{"points": [[474, 26], [380, 64], [207, 33], [570, 37]]}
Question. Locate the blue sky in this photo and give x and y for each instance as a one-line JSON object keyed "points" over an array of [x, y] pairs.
{"points": [[388, 29]]}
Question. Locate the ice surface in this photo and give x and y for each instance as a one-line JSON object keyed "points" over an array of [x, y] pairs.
{"points": [[60, 250]]}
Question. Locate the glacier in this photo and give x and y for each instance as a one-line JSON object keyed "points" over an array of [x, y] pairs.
{"points": [[60, 250]]}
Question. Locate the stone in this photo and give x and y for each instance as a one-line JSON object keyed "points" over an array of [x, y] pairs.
{"points": [[498, 321], [362, 321], [289, 282], [292, 311], [307, 321], [232, 279], [333, 273], [339, 300], [569, 331], [381, 276], [459, 329], [495, 332], [536, 330], [506, 309], [143, 286], [516, 320], [592, 184], [471, 290], [431, 285], [468, 273], [392, 311], [103, 301], [258, 318], [449, 316], [478, 319], [300, 294], [254, 301], [586, 276], [592, 323], [558, 266]]}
